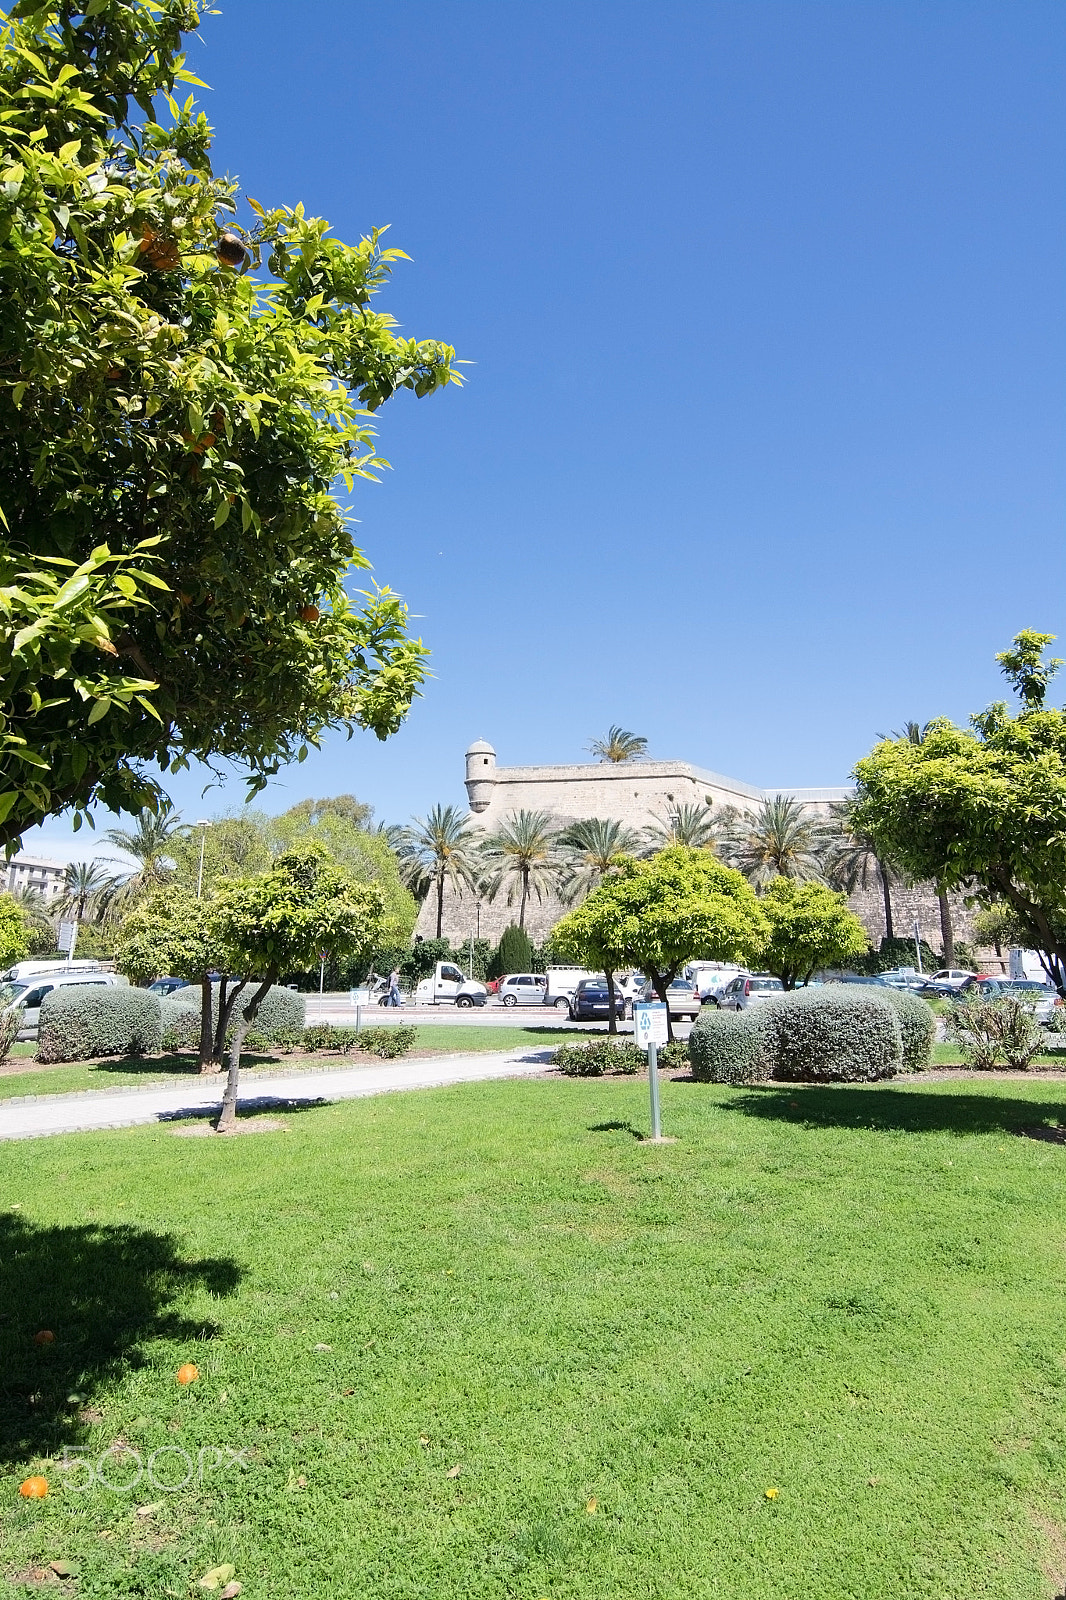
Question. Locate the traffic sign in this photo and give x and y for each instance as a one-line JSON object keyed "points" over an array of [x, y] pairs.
{"points": [[649, 1024]]}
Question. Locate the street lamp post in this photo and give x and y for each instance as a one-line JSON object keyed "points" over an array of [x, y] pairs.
{"points": [[203, 827]]}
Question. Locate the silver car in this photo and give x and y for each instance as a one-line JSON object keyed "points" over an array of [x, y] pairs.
{"points": [[745, 991], [523, 989], [682, 998]]}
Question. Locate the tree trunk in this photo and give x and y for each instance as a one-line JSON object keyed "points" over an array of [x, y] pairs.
{"points": [[207, 1039], [612, 1024], [522, 903], [440, 904], [227, 1116], [947, 931], [227, 999], [659, 983], [890, 932]]}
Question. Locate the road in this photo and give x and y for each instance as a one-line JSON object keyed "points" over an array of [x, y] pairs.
{"points": [[72, 1113]]}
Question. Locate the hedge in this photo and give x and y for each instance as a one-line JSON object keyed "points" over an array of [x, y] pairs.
{"points": [[80, 1022], [731, 1046], [835, 1034], [592, 1060], [917, 1027]]}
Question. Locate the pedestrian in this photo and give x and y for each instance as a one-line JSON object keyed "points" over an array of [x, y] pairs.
{"points": [[394, 987]]}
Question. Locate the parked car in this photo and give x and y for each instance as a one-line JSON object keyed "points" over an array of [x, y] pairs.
{"points": [[749, 990], [682, 998], [950, 977], [523, 989], [1043, 996], [27, 997], [167, 985], [592, 1001]]}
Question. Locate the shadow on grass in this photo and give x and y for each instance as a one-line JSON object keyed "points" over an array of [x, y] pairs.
{"points": [[898, 1110], [616, 1127], [103, 1292], [172, 1066]]}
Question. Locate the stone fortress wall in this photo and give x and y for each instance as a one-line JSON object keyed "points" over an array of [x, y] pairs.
{"points": [[638, 794]]}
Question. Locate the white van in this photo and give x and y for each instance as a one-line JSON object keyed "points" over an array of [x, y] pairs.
{"points": [[711, 977], [27, 971], [27, 997], [561, 985]]}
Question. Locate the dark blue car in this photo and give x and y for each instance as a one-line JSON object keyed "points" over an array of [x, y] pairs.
{"points": [[591, 1001]]}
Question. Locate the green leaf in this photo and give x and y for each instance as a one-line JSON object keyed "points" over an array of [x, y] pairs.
{"points": [[222, 511], [100, 709]]}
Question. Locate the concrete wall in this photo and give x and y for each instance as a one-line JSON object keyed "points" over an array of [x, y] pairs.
{"points": [[638, 794]]}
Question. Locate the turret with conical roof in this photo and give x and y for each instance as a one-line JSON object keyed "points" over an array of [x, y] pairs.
{"points": [[480, 774]]}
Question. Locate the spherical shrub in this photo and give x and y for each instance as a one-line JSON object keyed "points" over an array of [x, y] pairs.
{"points": [[82, 1021], [917, 1027], [282, 1015], [730, 1047], [834, 1034]]}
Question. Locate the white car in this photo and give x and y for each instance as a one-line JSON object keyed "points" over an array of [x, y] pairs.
{"points": [[950, 977]]}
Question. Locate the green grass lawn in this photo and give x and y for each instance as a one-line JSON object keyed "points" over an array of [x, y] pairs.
{"points": [[479, 1342], [440, 1038]]}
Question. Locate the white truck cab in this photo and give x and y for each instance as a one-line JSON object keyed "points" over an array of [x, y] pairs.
{"points": [[447, 986]]}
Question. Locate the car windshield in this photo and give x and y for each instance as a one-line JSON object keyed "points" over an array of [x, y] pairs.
{"points": [[11, 991], [766, 983]]}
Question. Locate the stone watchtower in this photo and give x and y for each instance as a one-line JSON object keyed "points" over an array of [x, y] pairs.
{"points": [[480, 774]]}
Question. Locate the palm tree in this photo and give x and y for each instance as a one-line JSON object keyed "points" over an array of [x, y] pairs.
{"points": [[619, 745], [852, 859], [87, 885], [915, 733], [522, 854], [150, 844], [437, 849], [589, 850], [780, 839], [689, 824]]}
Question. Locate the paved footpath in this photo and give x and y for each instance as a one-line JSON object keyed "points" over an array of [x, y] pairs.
{"points": [[124, 1108]]}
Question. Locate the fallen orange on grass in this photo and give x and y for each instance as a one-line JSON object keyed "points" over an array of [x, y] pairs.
{"points": [[187, 1373], [34, 1488], [46, 1336]]}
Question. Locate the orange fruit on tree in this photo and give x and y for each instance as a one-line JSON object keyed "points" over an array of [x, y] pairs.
{"points": [[309, 613], [34, 1488], [187, 1373], [46, 1336], [230, 250]]}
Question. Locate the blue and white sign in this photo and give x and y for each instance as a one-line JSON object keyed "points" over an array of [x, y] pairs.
{"points": [[650, 1024]]}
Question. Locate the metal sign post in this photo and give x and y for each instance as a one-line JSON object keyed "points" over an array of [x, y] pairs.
{"points": [[360, 998], [650, 1030], [68, 938]]}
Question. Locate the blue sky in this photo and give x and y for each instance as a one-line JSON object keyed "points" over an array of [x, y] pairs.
{"points": [[761, 451]]}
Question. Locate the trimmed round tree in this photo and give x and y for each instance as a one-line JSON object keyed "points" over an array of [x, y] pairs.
{"points": [[810, 928], [278, 922], [681, 905]]}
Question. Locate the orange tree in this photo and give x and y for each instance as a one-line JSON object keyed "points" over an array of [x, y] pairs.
{"points": [[173, 558], [279, 922], [658, 914]]}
